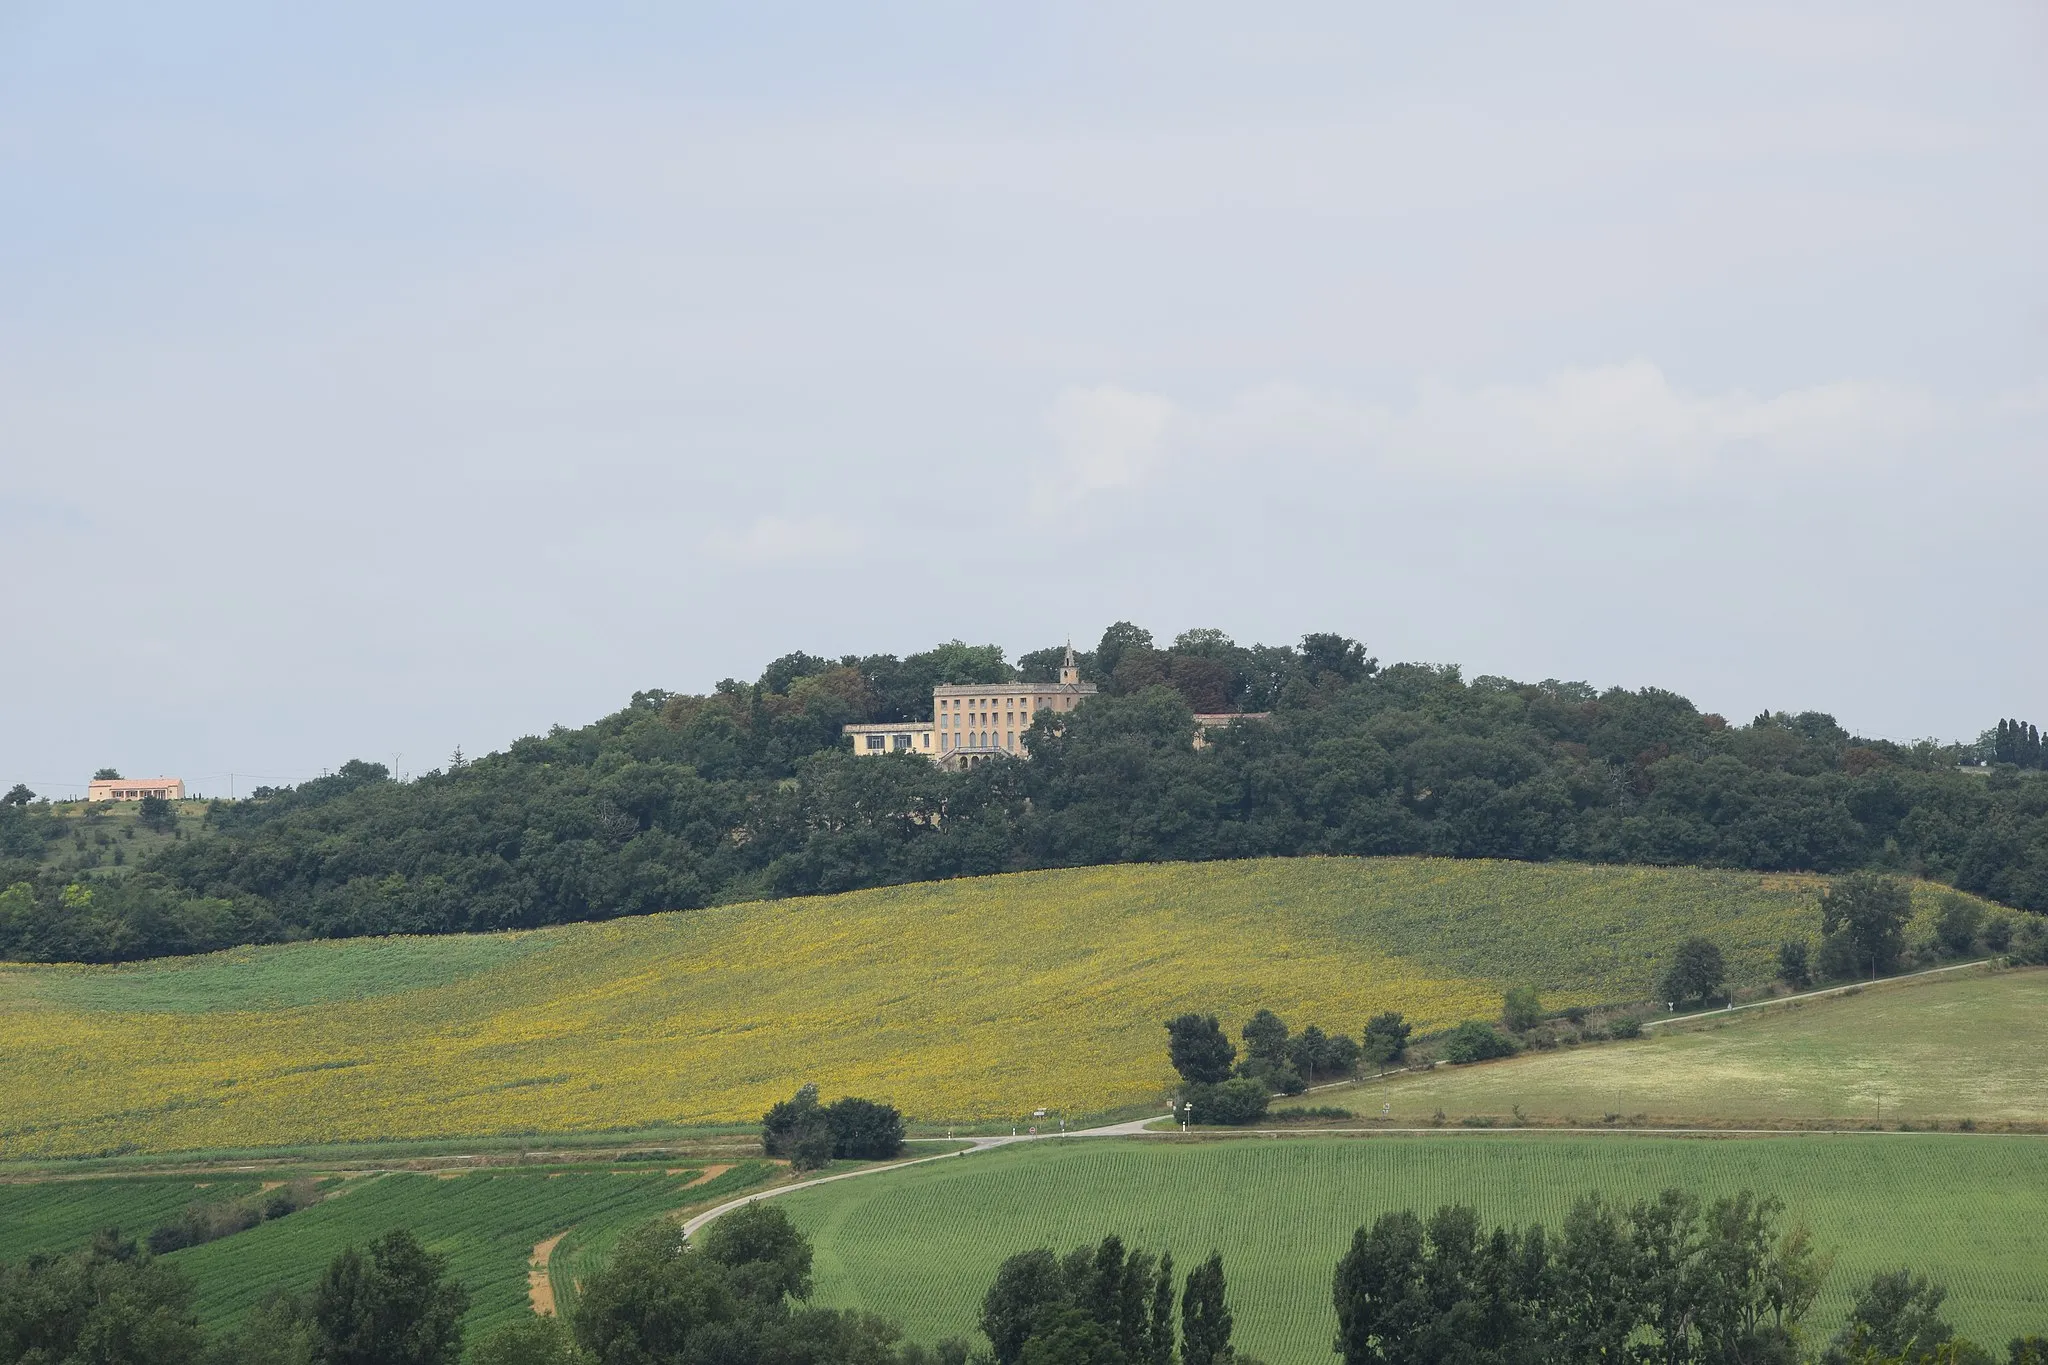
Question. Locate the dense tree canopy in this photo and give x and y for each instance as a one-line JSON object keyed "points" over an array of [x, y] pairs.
{"points": [[682, 801], [1668, 1281]]}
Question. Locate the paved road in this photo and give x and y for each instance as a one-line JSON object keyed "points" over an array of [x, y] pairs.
{"points": [[1814, 995]]}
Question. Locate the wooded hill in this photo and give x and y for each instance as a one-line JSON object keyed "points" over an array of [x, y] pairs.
{"points": [[680, 801]]}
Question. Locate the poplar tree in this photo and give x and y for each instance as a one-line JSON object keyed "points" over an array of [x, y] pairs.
{"points": [[1162, 1313], [1205, 1316]]}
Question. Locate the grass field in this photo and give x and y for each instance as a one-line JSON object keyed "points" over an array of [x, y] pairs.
{"points": [[1941, 1049], [970, 999], [922, 1245]]}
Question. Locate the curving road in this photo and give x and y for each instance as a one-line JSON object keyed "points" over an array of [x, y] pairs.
{"points": [[1134, 1128]]}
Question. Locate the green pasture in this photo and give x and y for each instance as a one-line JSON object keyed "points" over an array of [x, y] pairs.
{"points": [[1934, 1050], [921, 1245]]}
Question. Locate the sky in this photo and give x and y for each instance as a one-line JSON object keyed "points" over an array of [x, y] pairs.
{"points": [[377, 379]]}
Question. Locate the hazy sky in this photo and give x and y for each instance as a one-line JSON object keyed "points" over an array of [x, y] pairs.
{"points": [[378, 381]]}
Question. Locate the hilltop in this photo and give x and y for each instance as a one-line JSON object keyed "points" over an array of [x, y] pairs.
{"points": [[972, 999], [681, 801]]}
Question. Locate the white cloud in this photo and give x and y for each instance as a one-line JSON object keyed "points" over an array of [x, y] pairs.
{"points": [[776, 540], [1108, 438], [1603, 422]]}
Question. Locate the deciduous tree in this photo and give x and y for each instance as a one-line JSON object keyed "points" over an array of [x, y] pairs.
{"points": [[397, 1307], [1198, 1050], [1696, 971], [1386, 1038], [1869, 914]]}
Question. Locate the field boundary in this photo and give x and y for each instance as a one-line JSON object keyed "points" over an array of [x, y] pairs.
{"points": [[1816, 995]]}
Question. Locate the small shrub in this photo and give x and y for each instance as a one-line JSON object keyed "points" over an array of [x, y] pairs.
{"points": [[1793, 967], [1473, 1041], [1630, 1027]]}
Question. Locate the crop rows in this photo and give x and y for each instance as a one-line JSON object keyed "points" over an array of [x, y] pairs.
{"points": [[59, 1216], [589, 1246], [977, 998], [486, 1223], [921, 1246]]}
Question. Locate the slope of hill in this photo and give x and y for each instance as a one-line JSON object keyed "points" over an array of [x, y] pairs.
{"points": [[1933, 1050], [972, 999], [922, 1245], [677, 802]]}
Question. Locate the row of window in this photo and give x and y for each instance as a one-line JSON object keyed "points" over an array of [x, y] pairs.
{"points": [[981, 739], [986, 739]]}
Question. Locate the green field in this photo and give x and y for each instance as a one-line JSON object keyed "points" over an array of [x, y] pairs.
{"points": [[1937, 1050], [487, 1223], [58, 1216], [978, 999], [921, 1245]]}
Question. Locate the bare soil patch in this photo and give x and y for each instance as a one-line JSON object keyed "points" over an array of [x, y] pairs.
{"points": [[540, 1290]]}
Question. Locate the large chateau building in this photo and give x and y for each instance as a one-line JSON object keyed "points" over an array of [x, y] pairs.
{"points": [[974, 722]]}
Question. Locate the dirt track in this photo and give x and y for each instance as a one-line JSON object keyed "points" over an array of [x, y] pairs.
{"points": [[539, 1288]]}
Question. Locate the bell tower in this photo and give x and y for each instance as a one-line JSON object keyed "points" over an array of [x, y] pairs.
{"points": [[1070, 672]]}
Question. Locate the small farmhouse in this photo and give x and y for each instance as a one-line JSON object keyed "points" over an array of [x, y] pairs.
{"points": [[135, 788]]}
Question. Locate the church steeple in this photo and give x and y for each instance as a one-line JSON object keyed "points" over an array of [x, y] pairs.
{"points": [[1070, 672]]}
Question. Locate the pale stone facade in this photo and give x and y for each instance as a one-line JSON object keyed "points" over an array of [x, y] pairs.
{"points": [[134, 788], [1205, 721], [974, 722]]}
